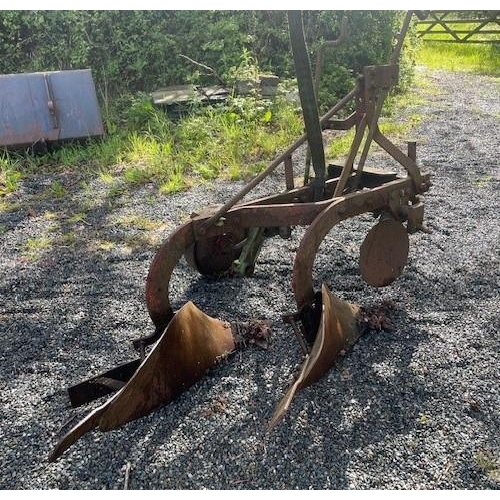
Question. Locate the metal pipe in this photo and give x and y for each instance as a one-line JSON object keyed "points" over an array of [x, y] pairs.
{"points": [[401, 37]]}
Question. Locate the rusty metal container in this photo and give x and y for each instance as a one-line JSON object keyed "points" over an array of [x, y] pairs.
{"points": [[50, 106]]}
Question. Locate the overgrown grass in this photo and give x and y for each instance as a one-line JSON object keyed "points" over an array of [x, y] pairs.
{"points": [[232, 141], [473, 57], [9, 174]]}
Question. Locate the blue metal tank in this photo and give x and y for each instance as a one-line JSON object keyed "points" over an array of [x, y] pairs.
{"points": [[51, 106]]}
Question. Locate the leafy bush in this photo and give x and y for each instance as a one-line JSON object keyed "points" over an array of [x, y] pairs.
{"points": [[131, 51]]}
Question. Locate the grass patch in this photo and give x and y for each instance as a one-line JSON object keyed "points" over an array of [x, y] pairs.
{"points": [[139, 222], [7, 206], [49, 215], [107, 178], [79, 217], [340, 145], [137, 242], [391, 128], [175, 184], [489, 463], [9, 175], [480, 58], [57, 190], [34, 247], [391, 123], [116, 190], [424, 419], [483, 181], [473, 57], [67, 239], [230, 141], [104, 245]]}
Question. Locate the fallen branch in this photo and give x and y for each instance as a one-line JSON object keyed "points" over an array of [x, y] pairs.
{"points": [[211, 70]]}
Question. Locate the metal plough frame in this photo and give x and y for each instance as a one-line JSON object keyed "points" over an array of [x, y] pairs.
{"points": [[189, 342], [351, 193]]}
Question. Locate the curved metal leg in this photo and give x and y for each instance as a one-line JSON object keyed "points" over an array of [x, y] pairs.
{"points": [[160, 272]]}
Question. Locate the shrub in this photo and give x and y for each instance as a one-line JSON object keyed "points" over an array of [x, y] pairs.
{"points": [[130, 51]]}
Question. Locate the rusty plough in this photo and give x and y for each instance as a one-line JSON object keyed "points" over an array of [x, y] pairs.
{"points": [[228, 238]]}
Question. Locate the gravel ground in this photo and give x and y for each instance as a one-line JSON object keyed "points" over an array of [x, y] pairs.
{"points": [[417, 407]]}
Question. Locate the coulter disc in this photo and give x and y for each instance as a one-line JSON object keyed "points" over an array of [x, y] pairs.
{"points": [[214, 256], [384, 253]]}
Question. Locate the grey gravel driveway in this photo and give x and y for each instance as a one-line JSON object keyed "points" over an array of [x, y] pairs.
{"points": [[416, 407]]}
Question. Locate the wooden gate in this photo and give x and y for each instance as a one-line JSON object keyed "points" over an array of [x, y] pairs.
{"points": [[459, 26]]}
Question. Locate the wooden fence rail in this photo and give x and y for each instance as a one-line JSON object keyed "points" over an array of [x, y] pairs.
{"points": [[484, 23]]}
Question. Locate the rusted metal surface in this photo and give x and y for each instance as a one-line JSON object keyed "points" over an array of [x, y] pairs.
{"points": [[338, 331], [280, 159], [102, 384], [214, 256], [384, 253], [289, 181], [191, 344], [160, 271], [339, 209], [214, 238], [322, 216], [308, 101], [41, 107]]}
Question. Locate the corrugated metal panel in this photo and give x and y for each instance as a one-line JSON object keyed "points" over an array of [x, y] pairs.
{"points": [[47, 107]]}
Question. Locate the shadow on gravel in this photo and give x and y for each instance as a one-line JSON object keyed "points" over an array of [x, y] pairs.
{"points": [[58, 307], [369, 397], [365, 400], [74, 313]]}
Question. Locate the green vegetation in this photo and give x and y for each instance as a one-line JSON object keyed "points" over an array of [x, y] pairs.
{"points": [[483, 181], [67, 239], [424, 419], [231, 141], [34, 247], [477, 58], [143, 144], [57, 189], [489, 463], [474, 57], [390, 124], [79, 217], [131, 51], [139, 222], [9, 174]]}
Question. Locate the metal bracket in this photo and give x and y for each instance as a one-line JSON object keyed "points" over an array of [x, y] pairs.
{"points": [[415, 215], [293, 319], [51, 103], [378, 78]]}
